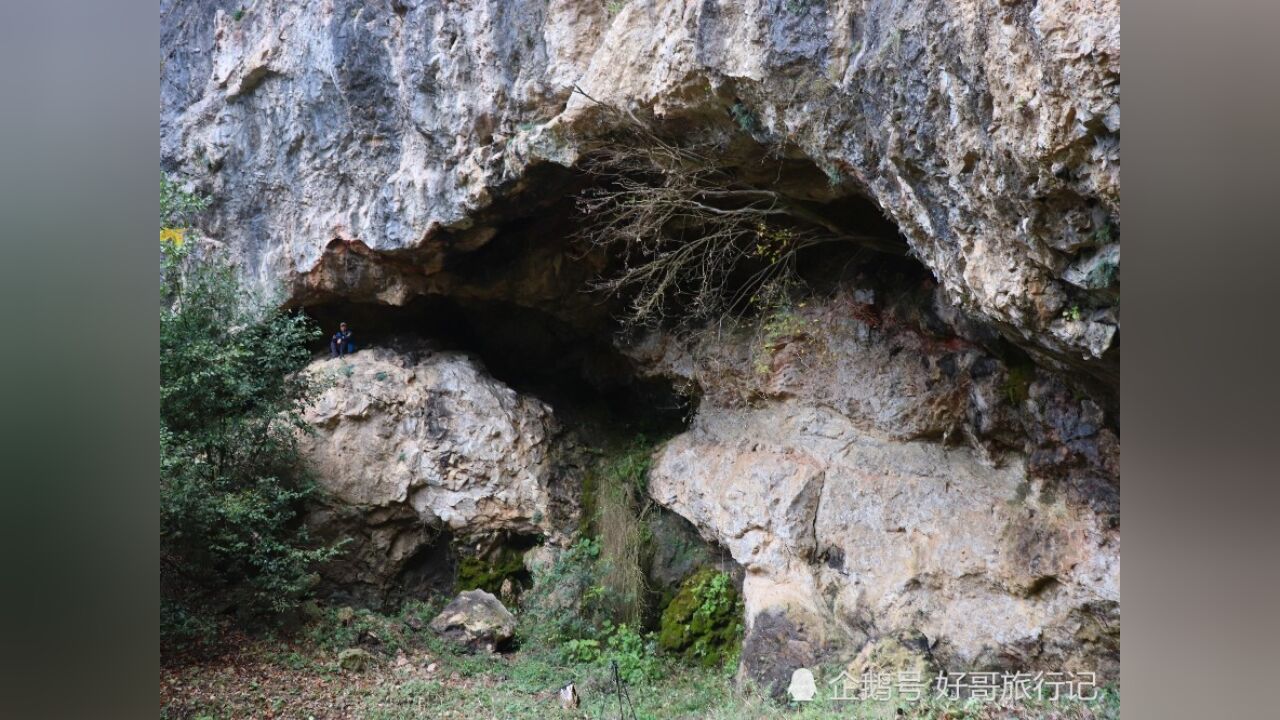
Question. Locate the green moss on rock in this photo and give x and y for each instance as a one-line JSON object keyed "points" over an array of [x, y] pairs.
{"points": [[704, 621], [475, 573]]}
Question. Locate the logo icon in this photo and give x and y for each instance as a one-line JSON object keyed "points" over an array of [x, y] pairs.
{"points": [[802, 688]]}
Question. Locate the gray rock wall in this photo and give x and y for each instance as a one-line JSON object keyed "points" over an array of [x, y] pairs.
{"points": [[874, 480], [989, 132]]}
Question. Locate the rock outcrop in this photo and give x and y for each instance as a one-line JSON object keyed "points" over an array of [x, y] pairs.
{"points": [[850, 536], [408, 445], [882, 467], [989, 132], [862, 474]]}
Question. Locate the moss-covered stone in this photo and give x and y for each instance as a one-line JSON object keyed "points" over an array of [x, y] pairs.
{"points": [[478, 573], [704, 620], [355, 660]]}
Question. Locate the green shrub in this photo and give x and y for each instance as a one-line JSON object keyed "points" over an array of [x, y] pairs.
{"points": [[635, 653], [230, 404], [580, 651], [704, 620], [179, 208], [630, 466]]}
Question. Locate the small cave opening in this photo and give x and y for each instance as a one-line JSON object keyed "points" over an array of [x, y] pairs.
{"points": [[591, 385], [428, 571]]}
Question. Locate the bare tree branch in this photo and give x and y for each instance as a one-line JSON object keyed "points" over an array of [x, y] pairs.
{"points": [[686, 229]]}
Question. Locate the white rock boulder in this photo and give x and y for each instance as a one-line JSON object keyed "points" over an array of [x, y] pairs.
{"points": [[409, 444]]}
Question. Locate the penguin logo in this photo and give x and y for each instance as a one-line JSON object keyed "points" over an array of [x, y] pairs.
{"points": [[802, 688]]}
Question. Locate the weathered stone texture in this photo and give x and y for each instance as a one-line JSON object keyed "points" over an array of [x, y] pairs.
{"points": [[989, 132], [412, 444]]}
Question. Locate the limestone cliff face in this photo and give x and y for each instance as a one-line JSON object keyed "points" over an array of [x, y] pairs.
{"points": [[988, 131], [873, 473]]}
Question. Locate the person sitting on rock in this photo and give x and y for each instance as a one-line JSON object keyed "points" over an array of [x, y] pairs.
{"points": [[341, 342]]}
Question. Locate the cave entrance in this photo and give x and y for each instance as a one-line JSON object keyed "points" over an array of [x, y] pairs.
{"points": [[592, 387], [519, 302]]}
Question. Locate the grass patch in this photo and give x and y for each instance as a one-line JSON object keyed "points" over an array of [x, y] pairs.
{"points": [[416, 675]]}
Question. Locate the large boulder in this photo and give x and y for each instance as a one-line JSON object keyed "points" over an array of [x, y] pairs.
{"points": [[849, 536], [409, 446], [477, 620]]}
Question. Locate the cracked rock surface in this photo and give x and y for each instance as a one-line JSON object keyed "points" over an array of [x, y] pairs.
{"points": [[410, 444], [988, 132], [895, 487], [876, 477]]}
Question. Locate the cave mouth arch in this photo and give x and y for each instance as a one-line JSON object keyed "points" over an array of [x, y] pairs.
{"points": [[519, 303], [520, 300]]}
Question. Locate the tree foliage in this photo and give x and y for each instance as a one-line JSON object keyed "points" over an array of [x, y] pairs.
{"points": [[230, 407]]}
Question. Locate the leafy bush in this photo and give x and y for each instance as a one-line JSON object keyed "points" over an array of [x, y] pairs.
{"points": [[630, 466], [580, 651], [635, 653], [231, 399], [179, 208]]}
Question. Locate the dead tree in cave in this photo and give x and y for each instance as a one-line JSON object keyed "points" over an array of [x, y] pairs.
{"points": [[690, 233]]}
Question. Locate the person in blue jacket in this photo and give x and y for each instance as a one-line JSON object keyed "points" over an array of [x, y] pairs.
{"points": [[341, 342]]}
